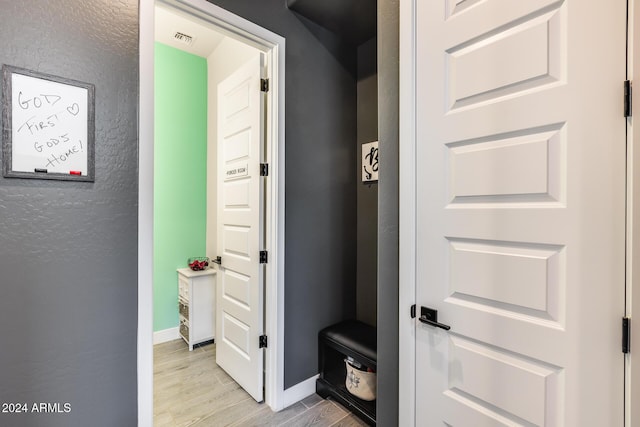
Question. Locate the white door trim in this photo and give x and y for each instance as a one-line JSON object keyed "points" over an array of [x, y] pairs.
{"points": [[274, 47], [407, 215], [632, 360], [145, 215]]}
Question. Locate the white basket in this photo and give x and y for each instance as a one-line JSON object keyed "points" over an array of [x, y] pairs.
{"points": [[361, 384]]}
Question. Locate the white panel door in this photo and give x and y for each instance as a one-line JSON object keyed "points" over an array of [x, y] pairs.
{"points": [[240, 291], [520, 238]]}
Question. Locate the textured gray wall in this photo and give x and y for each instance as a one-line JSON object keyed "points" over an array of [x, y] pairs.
{"points": [[388, 85], [367, 258], [320, 200], [68, 250]]}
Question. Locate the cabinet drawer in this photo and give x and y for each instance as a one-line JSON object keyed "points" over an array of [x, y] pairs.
{"points": [[183, 289], [183, 308]]}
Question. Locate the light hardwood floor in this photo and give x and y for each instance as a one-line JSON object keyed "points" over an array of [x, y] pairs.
{"points": [[191, 390]]}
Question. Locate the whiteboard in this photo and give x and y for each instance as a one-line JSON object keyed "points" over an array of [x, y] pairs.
{"points": [[48, 126]]}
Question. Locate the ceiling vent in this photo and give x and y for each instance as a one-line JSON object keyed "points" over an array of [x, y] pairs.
{"points": [[183, 38]]}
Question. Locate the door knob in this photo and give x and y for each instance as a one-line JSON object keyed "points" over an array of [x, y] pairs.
{"points": [[430, 317], [218, 260]]}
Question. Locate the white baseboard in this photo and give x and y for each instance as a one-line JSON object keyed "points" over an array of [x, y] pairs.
{"points": [[166, 335], [299, 391]]}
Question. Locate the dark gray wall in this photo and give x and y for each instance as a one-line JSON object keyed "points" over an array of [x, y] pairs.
{"points": [[68, 250], [353, 20], [388, 85], [367, 258], [320, 211]]}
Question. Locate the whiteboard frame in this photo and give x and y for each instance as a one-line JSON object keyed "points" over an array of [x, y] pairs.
{"points": [[7, 117]]}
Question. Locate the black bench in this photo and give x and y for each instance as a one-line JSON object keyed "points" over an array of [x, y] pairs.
{"points": [[335, 343]]}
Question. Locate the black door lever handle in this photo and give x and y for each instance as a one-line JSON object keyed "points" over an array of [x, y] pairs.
{"points": [[429, 316], [218, 260]]}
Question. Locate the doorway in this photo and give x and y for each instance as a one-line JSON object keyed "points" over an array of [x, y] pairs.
{"points": [[272, 46]]}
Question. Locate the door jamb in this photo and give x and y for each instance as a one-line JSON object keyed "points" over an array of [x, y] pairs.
{"points": [[632, 359], [407, 215], [145, 214], [274, 47]]}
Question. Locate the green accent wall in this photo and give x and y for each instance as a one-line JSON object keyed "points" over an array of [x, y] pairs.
{"points": [[180, 162]]}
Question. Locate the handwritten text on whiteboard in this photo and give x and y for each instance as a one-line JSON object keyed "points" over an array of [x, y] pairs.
{"points": [[49, 126]]}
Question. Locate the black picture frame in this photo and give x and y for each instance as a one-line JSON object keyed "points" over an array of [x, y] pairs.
{"points": [[8, 105]]}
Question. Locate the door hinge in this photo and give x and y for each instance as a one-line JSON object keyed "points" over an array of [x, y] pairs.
{"points": [[264, 85], [413, 311], [263, 341], [264, 169], [626, 335], [628, 97], [263, 257]]}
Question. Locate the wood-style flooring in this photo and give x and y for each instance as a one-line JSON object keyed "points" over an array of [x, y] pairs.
{"points": [[191, 390]]}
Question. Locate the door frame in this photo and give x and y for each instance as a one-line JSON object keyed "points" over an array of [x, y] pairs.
{"points": [[632, 360], [407, 214], [273, 46], [407, 217]]}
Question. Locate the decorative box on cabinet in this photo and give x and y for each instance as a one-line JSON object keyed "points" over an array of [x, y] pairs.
{"points": [[349, 339], [196, 305]]}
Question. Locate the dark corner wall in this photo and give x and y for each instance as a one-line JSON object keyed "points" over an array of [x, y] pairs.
{"points": [[367, 256], [68, 250], [388, 87], [320, 184]]}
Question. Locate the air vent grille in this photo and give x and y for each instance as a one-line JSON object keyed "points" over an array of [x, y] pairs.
{"points": [[183, 38]]}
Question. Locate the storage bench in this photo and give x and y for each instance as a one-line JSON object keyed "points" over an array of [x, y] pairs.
{"points": [[352, 339]]}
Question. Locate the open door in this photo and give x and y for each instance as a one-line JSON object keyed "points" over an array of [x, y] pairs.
{"points": [[240, 287], [520, 221]]}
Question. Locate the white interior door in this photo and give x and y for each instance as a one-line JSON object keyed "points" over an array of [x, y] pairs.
{"points": [[520, 212], [240, 288]]}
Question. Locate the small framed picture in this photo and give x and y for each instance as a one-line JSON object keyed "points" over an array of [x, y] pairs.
{"points": [[370, 161]]}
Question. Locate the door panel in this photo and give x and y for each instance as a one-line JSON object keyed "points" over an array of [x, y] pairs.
{"points": [[518, 376], [240, 292], [520, 212]]}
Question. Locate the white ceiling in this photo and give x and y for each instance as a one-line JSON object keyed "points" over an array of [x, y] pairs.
{"points": [[205, 39]]}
